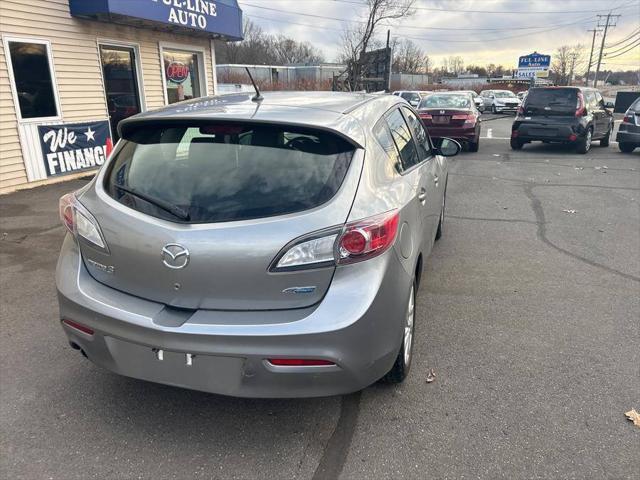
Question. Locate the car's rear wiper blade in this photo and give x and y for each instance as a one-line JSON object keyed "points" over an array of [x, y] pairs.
{"points": [[166, 206]]}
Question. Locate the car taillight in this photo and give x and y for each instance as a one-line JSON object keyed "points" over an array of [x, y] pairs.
{"points": [[580, 109], [520, 110], [426, 116], [628, 119], [355, 242], [469, 118], [80, 223], [368, 238]]}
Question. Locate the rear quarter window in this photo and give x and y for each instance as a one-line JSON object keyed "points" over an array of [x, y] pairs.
{"points": [[227, 171]]}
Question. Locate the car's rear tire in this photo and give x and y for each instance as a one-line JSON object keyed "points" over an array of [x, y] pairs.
{"points": [[516, 144], [584, 144], [626, 147], [402, 364], [474, 146], [604, 141]]}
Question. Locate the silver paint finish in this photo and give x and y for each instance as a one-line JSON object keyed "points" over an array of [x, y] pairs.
{"points": [[230, 313]]}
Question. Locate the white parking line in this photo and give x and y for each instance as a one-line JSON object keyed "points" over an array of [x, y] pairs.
{"points": [[490, 133]]}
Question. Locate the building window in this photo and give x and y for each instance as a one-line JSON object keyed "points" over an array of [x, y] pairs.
{"points": [[30, 63], [183, 74]]}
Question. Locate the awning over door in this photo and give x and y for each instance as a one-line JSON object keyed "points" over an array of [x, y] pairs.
{"points": [[211, 18]]}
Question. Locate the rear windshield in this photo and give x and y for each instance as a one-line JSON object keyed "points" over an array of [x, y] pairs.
{"points": [[552, 100], [227, 171], [446, 101]]}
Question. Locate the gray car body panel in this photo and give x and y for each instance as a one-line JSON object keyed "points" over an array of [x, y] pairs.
{"points": [[237, 319]]}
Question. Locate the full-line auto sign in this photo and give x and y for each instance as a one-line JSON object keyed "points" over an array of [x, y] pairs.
{"points": [[534, 65]]}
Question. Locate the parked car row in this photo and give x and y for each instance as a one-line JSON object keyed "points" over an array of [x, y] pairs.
{"points": [[571, 115]]}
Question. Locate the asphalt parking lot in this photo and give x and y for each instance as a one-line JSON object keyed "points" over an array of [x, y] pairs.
{"points": [[528, 315]]}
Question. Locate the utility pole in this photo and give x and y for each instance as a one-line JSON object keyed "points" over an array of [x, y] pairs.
{"points": [[608, 23], [593, 42]]}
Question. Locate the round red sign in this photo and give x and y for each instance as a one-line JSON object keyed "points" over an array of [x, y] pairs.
{"points": [[177, 72]]}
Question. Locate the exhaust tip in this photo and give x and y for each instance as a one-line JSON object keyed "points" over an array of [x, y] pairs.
{"points": [[74, 345]]}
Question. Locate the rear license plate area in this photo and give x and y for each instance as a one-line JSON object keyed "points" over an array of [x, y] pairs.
{"points": [[183, 369], [543, 132], [440, 119]]}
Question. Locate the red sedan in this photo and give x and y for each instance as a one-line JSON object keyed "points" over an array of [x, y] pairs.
{"points": [[453, 115]]}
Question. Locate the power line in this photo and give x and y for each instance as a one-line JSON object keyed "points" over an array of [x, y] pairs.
{"points": [[630, 37], [623, 47], [453, 10], [439, 39], [637, 44]]}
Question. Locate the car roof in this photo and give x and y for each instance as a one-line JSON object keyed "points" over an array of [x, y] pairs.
{"points": [[326, 110]]}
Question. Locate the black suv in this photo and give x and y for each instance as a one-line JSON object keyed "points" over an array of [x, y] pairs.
{"points": [[629, 132], [573, 115]]}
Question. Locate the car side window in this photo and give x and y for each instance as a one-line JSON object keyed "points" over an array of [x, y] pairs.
{"points": [[383, 136], [590, 100], [402, 137], [422, 139]]}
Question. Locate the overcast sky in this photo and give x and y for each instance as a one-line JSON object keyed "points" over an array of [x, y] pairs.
{"points": [[524, 27]]}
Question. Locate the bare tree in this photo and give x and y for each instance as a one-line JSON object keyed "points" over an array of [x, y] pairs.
{"points": [[355, 41], [456, 64], [259, 47], [567, 60], [409, 58]]}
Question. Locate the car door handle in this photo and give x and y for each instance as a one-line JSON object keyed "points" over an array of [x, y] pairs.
{"points": [[422, 196]]}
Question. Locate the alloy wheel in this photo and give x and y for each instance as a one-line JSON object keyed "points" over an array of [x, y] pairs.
{"points": [[408, 327]]}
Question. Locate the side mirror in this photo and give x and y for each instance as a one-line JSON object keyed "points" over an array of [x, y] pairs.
{"points": [[492, 96], [609, 105], [447, 147], [414, 103]]}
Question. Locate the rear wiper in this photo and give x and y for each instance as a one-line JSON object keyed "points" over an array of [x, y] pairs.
{"points": [[166, 206]]}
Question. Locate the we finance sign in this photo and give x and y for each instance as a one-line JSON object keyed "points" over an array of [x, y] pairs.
{"points": [[73, 148]]}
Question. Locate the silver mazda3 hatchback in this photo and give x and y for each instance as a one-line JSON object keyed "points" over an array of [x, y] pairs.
{"points": [[256, 247]]}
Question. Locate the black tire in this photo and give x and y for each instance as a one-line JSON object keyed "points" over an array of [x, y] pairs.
{"points": [[604, 141], [516, 144], [626, 147], [474, 146], [584, 144], [400, 368]]}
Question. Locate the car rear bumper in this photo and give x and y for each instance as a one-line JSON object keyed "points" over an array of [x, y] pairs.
{"points": [[357, 326], [552, 133], [506, 108], [457, 133], [632, 138]]}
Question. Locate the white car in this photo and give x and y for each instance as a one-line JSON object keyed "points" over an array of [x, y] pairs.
{"points": [[498, 101], [477, 99], [411, 96]]}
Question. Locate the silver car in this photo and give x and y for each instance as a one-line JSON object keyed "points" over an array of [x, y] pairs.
{"points": [[258, 247]]}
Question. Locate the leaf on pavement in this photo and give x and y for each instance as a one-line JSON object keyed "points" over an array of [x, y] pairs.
{"points": [[633, 416], [431, 377]]}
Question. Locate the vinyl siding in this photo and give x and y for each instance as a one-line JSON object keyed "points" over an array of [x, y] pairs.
{"points": [[74, 45]]}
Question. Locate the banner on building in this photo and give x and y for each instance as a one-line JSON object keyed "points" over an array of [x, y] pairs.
{"points": [[71, 148]]}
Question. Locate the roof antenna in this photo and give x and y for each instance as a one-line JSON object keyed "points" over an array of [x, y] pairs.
{"points": [[257, 97]]}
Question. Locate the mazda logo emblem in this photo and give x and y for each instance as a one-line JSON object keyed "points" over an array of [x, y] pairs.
{"points": [[175, 256]]}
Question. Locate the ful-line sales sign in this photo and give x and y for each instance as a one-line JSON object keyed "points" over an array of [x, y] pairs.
{"points": [[190, 13]]}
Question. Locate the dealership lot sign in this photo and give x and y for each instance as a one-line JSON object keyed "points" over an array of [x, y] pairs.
{"points": [[534, 65], [73, 148]]}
